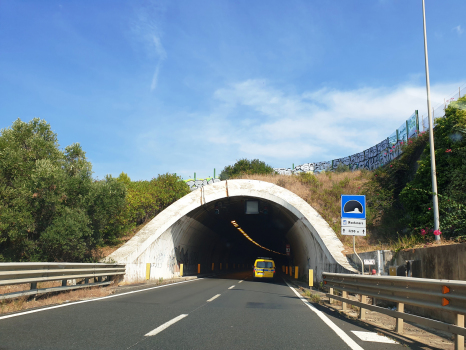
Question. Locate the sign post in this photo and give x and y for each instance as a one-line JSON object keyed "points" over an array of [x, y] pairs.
{"points": [[353, 219]]}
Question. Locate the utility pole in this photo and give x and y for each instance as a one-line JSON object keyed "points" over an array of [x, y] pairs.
{"points": [[431, 133]]}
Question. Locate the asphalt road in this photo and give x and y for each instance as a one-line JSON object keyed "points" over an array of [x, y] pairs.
{"points": [[209, 313]]}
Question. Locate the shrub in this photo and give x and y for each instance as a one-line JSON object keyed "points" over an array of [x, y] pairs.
{"points": [[245, 167]]}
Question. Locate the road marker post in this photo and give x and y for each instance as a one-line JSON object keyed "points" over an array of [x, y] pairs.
{"points": [[147, 271], [198, 268], [213, 266], [286, 268], [311, 278], [181, 270], [220, 266], [296, 269]]}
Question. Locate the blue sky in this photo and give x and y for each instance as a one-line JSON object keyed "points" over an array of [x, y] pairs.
{"points": [[149, 87]]}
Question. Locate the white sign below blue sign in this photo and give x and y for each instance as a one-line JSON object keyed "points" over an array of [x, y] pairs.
{"points": [[353, 206]]}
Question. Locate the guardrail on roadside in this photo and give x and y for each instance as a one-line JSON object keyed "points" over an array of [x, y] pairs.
{"points": [[33, 273], [444, 295]]}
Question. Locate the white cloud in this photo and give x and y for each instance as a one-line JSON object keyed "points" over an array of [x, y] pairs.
{"points": [[146, 28], [459, 30], [257, 120]]}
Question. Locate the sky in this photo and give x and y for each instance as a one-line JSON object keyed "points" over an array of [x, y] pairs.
{"points": [[155, 87]]}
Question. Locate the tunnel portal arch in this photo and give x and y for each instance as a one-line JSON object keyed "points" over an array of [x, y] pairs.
{"points": [[186, 232]]}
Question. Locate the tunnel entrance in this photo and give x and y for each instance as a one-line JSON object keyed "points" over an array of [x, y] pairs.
{"points": [[198, 230]]}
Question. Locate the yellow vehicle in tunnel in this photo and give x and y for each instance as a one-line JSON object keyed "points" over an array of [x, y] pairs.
{"points": [[264, 268]]}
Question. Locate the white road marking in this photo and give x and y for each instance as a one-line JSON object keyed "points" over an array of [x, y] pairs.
{"points": [[374, 337], [240, 281], [96, 299], [213, 298], [350, 342], [165, 325], [233, 286]]}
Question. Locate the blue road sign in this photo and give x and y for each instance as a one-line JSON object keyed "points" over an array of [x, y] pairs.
{"points": [[353, 206]]}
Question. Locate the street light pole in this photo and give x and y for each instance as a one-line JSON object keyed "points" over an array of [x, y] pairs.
{"points": [[431, 134]]}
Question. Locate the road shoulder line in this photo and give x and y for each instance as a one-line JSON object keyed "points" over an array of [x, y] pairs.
{"points": [[345, 337]]}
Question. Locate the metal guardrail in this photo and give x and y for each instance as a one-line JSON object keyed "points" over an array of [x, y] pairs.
{"points": [[34, 273], [444, 295]]}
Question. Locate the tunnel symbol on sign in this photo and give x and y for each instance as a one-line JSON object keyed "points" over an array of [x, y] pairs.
{"points": [[353, 206]]}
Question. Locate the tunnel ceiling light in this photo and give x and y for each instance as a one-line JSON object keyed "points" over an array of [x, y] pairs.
{"points": [[257, 244]]}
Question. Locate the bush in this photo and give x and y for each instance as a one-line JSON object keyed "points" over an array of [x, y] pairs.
{"points": [[50, 207], [146, 199], [245, 166], [450, 157]]}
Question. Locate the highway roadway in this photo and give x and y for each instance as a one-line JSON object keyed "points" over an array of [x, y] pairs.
{"points": [[224, 312]]}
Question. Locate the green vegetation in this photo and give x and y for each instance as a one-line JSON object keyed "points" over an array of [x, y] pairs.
{"points": [[51, 209], [245, 167], [402, 190], [146, 199]]}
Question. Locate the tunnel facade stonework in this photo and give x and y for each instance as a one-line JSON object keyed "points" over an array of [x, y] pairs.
{"points": [[173, 237]]}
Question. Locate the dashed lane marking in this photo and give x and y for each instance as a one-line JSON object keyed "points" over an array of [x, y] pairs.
{"points": [[233, 286], [240, 281], [96, 299], [213, 298], [165, 325]]}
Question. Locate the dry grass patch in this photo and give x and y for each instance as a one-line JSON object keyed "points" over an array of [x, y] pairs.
{"points": [[24, 303], [322, 191]]}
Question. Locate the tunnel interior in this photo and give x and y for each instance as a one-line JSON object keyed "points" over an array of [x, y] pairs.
{"points": [[270, 226]]}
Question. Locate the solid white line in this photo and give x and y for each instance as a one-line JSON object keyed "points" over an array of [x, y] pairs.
{"points": [[351, 343], [96, 299], [233, 286], [213, 298], [165, 325], [240, 281]]}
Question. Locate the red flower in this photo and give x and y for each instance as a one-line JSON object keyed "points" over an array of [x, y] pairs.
{"points": [[423, 232], [448, 150], [437, 232], [429, 208]]}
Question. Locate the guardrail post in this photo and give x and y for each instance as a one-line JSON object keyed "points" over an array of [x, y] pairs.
{"points": [[63, 283], [34, 285], [400, 307], [362, 311], [330, 292], [459, 339], [344, 294]]}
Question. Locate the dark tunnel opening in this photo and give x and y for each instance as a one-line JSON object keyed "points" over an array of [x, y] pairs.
{"points": [[268, 227]]}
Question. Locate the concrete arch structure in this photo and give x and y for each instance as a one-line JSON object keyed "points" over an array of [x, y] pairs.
{"points": [[189, 233]]}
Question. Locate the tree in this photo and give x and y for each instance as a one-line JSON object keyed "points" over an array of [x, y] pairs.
{"points": [[50, 207], [245, 166]]}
